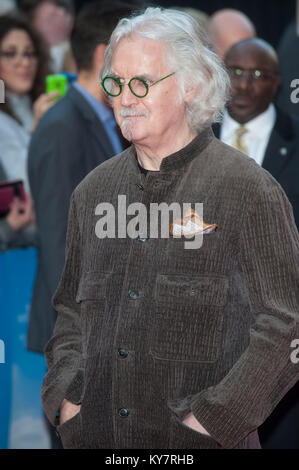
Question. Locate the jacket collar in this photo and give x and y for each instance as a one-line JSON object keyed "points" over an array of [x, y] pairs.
{"points": [[179, 159]]}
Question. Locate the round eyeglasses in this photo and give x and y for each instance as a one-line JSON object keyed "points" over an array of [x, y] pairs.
{"points": [[14, 56], [113, 86]]}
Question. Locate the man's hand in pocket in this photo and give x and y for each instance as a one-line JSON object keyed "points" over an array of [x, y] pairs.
{"points": [[68, 410], [192, 422]]}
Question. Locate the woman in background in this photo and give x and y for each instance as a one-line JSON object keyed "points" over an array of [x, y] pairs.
{"points": [[23, 69], [15, 229]]}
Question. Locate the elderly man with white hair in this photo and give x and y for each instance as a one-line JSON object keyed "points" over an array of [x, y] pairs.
{"points": [[158, 345]]}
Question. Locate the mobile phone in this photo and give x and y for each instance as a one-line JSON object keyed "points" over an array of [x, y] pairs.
{"points": [[9, 190], [57, 82]]}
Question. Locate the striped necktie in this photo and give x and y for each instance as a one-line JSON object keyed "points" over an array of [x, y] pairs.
{"points": [[238, 142]]}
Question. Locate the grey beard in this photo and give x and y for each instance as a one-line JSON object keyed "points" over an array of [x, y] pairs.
{"points": [[126, 130]]}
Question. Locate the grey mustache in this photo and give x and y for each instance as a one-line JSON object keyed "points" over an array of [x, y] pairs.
{"points": [[132, 112]]}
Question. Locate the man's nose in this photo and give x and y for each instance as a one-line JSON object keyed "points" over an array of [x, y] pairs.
{"points": [[127, 97], [244, 82]]}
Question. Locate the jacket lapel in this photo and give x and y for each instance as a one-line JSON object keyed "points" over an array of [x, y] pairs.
{"points": [[99, 132], [280, 146], [96, 126]]}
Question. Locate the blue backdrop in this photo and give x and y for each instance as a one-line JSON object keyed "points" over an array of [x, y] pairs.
{"points": [[22, 423]]}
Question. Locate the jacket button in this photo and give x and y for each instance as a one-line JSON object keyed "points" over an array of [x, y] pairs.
{"points": [[133, 294], [123, 412], [192, 291], [122, 353]]}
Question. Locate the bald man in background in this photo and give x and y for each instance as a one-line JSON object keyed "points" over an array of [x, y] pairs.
{"points": [[255, 126], [227, 27], [252, 123]]}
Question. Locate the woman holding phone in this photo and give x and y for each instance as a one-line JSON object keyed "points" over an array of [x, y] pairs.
{"points": [[15, 229], [23, 67]]}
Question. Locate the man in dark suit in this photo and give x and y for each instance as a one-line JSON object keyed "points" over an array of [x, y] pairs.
{"points": [[76, 135], [252, 124]]}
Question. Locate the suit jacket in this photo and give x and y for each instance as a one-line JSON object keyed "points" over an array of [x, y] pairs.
{"points": [[69, 142], [148, 330], [282, 156], [287, 50]]}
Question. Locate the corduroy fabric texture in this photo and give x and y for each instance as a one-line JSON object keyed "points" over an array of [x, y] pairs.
{"points": [[223, 351]]}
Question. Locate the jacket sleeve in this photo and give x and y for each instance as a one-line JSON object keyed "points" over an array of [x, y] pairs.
{"points": [[65, 377], [269, 257]]}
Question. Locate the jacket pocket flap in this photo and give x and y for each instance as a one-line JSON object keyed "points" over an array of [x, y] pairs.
{"points": [[92, 286], [205, 290]]}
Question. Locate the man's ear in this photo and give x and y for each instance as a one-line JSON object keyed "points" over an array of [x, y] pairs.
{"points": [[189, 94], [98, 56]]}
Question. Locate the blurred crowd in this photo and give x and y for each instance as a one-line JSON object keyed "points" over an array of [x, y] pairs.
{"points": [[50, 142], [34, 38]]}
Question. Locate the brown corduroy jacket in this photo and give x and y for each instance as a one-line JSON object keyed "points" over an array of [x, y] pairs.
{"points": [[148, 330]]}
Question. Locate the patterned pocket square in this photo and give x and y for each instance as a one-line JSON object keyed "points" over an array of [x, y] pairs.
{"points": [[190, 225]]}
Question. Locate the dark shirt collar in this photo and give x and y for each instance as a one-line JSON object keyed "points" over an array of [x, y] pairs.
{"points": [[179, 159], [143, 170]]}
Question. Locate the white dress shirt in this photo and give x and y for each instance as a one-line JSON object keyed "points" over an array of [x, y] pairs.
{"points": [[257, 137]]}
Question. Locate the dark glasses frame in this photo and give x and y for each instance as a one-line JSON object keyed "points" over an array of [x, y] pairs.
{"points": [[120, 84]]}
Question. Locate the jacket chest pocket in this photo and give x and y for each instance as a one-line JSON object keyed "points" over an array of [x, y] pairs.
{"points": [[92, 294], [189, 317]]}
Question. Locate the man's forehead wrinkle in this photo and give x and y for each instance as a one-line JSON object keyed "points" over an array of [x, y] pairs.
{"points": [[144, 76], [147, 60], [251, 57]]}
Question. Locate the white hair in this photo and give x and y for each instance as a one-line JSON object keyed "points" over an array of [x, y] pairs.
{"points": [[195, 64]]}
